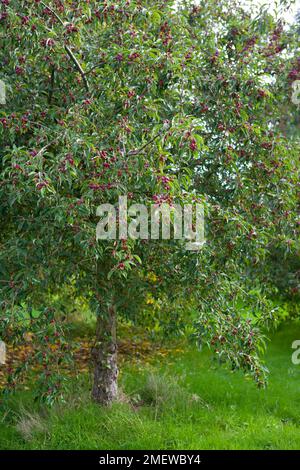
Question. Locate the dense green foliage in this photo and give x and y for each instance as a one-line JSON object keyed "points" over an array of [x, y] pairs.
{"points": [[162, 103]]}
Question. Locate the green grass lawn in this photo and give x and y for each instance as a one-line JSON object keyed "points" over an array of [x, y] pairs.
{"points": [[184, 401]]}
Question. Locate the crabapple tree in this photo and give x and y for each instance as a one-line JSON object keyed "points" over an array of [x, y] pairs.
{"points": [[162, 101]]}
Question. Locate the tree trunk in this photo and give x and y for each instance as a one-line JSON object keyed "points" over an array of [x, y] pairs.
{"points": [[104, 354]]}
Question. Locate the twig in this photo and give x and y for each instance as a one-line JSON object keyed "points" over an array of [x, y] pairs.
{"points": [[51, 86], [94, 67], [43, 149], [137, 151], [78, 66], [53, 13], [68, 50]]}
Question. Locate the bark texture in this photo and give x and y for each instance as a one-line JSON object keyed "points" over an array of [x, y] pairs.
{"points": [[104, 354]]}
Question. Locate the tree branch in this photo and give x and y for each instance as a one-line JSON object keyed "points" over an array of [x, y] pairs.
{"points": [[137, 151], [53, 13], [68, 50], [78, 66]]}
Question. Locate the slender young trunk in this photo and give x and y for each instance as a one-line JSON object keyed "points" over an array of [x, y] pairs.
{"points": [[104, 354]]}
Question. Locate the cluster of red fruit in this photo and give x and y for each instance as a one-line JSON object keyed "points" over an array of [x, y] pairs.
{"points": [[275, 47], [160, 199], [294, 74], [165, 180], [165, 34]]}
